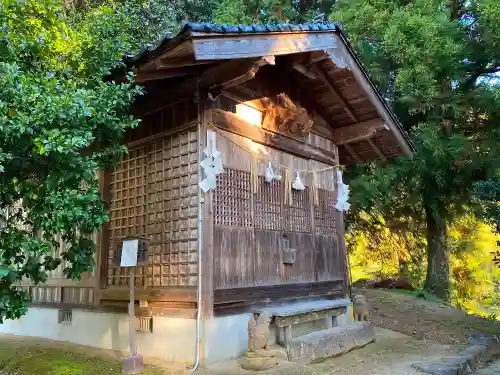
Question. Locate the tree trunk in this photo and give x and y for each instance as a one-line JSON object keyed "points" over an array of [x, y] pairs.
{"points": [[438, 262]]}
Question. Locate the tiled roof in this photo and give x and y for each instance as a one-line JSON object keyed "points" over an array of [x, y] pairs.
{"points": [[150, 51]]}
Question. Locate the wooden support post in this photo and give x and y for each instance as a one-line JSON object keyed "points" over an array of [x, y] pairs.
{"points": [[131, 315], [287, 335], [134, 363]]}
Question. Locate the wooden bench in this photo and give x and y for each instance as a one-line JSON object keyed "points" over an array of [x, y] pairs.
{"points": [[287, 315]]}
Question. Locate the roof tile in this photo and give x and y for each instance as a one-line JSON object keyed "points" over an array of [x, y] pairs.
{"points": [[149, 51]]}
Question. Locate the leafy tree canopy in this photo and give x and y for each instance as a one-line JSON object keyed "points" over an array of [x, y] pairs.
{"points": [[433, 61], [60, 123]]}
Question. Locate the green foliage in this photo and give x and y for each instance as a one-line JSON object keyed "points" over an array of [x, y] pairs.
{"points": [[269, 11], [432, 60], [60, 123], [151, 20]]}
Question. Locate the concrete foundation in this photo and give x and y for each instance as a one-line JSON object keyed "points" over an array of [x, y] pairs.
{"points": [[173, 339]]}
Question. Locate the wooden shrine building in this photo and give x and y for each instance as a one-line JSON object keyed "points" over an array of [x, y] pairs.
{"points": [[291, 97]]}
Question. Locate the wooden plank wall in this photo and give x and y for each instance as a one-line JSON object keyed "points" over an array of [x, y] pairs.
{"points": [[250, 227]]}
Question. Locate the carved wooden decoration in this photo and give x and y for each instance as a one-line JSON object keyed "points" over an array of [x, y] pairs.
{"points": [[285, 117]]}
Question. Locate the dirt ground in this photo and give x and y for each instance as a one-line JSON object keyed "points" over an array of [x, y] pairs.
{"points": [[392, 354], [423, 319]]}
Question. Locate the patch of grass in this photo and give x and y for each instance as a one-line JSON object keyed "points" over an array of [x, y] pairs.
{"points": [[36, 358]]}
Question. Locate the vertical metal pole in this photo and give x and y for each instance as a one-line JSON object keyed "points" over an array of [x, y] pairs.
{"points": [[131, 314]]}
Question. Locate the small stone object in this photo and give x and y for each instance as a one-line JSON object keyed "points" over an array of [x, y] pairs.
{"points": [[259, 363], [361, 308], [258, 332], [259, 357]]}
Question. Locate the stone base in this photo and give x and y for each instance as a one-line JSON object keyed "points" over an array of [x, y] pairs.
{"points": [[318, 346], [133, 364], [259, 363]]}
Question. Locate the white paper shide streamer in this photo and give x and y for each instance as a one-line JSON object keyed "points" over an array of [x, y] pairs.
{"points": [[270, 175], [342, 195], [212, 164], [298, 184]]}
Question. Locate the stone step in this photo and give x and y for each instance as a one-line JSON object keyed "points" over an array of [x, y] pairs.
{"points": [[491, 369], [480, 350], [320, 345]]}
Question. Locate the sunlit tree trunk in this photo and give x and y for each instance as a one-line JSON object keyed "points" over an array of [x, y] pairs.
{"points": [[438, 263]]}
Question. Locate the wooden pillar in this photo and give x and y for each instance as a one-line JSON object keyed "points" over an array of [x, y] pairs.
{"points": [[341, 239], [206, 277], [102, 242]]}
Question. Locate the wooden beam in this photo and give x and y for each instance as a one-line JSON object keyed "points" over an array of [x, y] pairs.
{"points": [[376, 149], [234, 46], [218, 77], [252, 295], [353, 154], [233, 123], [238, 99], [357, 132], [170, 294], [153, 75], [316, 59], [337, 94], [180, 62], [304, 70]]}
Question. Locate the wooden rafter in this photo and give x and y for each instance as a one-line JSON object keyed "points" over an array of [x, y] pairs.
{"points": [[376, 149], [353, 154], [217, 78], [357, 132], [338, 95], [304, 70]]}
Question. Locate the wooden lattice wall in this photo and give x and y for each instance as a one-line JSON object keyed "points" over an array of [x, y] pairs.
{"points": [[251, 228], [154, 195]]}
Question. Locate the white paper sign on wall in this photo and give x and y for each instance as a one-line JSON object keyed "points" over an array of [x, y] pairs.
{"points": [[129, 253]]}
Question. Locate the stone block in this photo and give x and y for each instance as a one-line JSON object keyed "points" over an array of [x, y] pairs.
{"points": [[318, 346], [480, 350]]}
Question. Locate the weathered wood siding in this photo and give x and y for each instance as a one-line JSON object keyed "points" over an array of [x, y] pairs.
{"points": [[249, 227], [58, 288], [154, 194]]}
